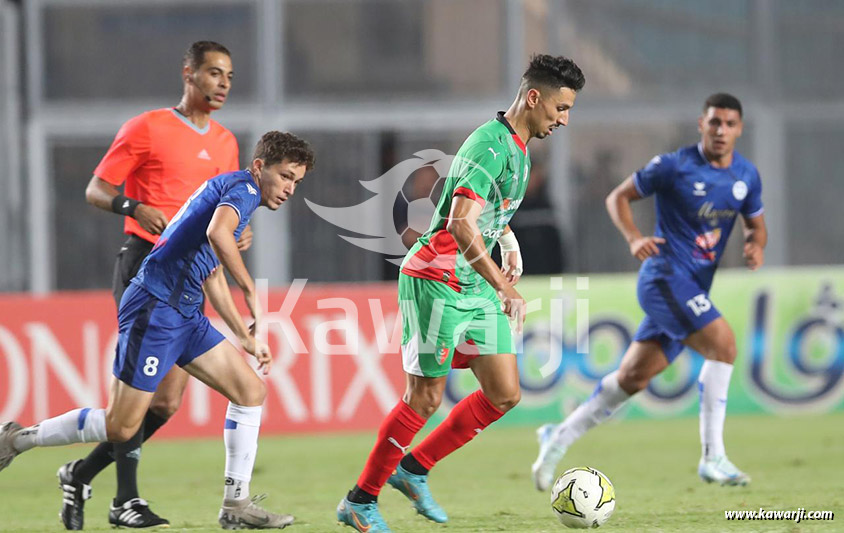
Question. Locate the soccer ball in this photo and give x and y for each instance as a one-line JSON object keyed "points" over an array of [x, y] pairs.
{"points": [[583, 497]]}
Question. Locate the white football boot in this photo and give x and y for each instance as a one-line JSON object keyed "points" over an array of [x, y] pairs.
{"points": [[544, 468], [720, 470]]}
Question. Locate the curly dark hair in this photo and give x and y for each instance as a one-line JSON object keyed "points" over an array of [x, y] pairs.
{"points": [[195, 55], [722, 101], [554, 72], [276, 146]]}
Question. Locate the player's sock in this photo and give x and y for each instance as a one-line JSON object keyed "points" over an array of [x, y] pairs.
{"points": [[79, 425], [607, 397], [409, 463], [469, 417], [358, 495], [713, 382], [394, 436], [241, 438], [103, 455], [126, 457], [152, 423]]}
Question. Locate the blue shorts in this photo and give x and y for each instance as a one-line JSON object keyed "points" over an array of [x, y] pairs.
{"points": [[675, 307], [152, 336]]}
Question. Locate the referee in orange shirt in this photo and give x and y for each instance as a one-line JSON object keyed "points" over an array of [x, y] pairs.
{"points": [[160, 157]]}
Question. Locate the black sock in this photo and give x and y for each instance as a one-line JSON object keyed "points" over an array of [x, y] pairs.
{"points": [[126, 457], [409, 463], [151, 424], [358, 495], [96, 461], [103, 454]]}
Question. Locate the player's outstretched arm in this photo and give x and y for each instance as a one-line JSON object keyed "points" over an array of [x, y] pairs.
{"points": [[463, 226], [107, 197], [755, 240], [618, 207]]}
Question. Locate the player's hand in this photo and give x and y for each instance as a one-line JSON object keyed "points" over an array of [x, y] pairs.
{"points": [[245, 240], [754, 255], [261, 351], [150, 218], [513, 306], [644, 247], [511, 266]]}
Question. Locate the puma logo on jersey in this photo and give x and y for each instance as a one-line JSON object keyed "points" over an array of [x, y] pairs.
{"points": [[203, 154], [494, 154], [700, 188], [395, 443], [251, 189]]}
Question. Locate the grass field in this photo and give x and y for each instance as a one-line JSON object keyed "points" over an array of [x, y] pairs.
{"points": [[795, 462]]}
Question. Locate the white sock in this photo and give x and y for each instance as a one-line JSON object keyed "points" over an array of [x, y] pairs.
{"points": [[713, 382], [79, 425], [241, 438], [608, 396]]}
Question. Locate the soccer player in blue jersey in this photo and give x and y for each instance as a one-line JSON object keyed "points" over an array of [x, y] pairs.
{"points": [[160, 324], [700, 191]]}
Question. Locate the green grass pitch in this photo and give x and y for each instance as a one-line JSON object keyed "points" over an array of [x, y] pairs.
{"points": [[796, 461]]}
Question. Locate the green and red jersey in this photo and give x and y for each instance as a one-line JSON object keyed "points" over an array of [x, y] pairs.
{"points": [[492, 168]]}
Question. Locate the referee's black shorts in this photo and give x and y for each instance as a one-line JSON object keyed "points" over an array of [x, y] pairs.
{"points": [[129, 260]]}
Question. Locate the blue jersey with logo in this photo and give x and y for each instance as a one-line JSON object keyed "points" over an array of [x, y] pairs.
{"points": [[182, 259], [696, 208]]}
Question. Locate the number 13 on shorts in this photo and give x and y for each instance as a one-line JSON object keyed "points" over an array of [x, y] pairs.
{"points": [[699, 304]]}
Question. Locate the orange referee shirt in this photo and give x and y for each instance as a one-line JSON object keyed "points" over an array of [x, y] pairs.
{"points": [[163, 157]]}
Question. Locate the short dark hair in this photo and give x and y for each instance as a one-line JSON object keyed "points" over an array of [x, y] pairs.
{"points": [[276, 146], [195, 55], [553, 72], [722, 101]]}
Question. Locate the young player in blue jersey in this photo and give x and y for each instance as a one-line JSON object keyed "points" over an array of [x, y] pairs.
{"points": [[700, 190], [160, 325]]}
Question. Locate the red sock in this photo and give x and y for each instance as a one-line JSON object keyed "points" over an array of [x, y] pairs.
{"points": [[394, 436], [468, 418]]}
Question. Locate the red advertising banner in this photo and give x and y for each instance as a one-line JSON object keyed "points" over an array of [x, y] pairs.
{"points": [[335, 347]]}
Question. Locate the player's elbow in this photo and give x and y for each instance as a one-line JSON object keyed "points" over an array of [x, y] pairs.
{"points": [[457, 227], [92, 192], [215, 237]]}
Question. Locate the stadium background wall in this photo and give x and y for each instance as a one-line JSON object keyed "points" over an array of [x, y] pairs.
{"points": [[337, 364]]}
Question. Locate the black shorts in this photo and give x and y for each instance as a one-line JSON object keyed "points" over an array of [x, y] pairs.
{"points": [[129, 260]]}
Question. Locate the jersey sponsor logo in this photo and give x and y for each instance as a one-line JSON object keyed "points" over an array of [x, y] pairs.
{"points": [[708, 212], [700, 188], [203, 154], [494, 153], [739, 190], [493, 234], [251, 190], [706, 242], [508, 204]]}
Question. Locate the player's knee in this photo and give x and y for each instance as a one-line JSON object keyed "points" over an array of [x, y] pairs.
{"points": [[166, 407], [424, 402], [509, 401], [726, 353], [252, 395], [632, 380], [116, 432], [506, 399]]}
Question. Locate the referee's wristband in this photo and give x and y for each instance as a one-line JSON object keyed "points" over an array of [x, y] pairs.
{"points": [[123, 205]]}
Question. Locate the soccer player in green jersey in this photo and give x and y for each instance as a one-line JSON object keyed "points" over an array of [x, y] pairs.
{"points": [[457, 304]]}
